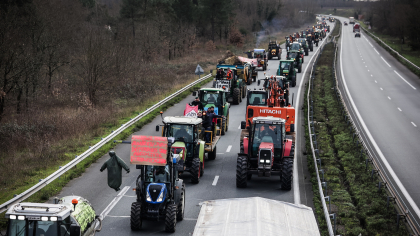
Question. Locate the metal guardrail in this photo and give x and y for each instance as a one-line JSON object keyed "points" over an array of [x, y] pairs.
{"points": [[384, 179], [398, 54], [68, 166]]}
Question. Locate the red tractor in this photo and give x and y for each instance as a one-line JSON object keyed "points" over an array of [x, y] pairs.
{"points": [[266, 151]]}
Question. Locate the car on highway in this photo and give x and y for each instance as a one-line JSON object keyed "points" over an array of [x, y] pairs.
{"points": [[345, 23], [357, 34]]}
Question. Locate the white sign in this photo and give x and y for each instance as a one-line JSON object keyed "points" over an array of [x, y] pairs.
{"points": [[199, 70], [191, 113]]}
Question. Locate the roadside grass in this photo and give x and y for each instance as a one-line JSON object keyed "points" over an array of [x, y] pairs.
{"points": [[396, 44], [78, 145], [359, 205]]}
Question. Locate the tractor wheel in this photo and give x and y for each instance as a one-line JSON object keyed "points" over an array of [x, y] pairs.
{"points": [[303, 60], [181, 205], [306, 52], [265, 67], [287, 174], [293, 83], [214, 84], [279, 56], [170, 219], [241, 172], [135, 219], [236, 96], [316, 44], [244, 91], [300, 68], [223, 126], [212, 155], [195, 170], [254, 78], [312, 48], [249, 177]]}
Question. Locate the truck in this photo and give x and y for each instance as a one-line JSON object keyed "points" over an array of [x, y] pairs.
{"points": [[351, 20], [69, 215], [356, 28], [254, 216]]}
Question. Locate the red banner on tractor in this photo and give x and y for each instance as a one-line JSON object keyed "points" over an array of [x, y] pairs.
{"points": [[191, 111], [148, 150]]}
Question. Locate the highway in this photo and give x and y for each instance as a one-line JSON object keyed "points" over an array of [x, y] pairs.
{"points": [[218, 182], [383, 98]]}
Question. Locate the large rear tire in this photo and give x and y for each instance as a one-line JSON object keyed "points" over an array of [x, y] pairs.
{"points": [[236, 96], [196, 170], [300, 68], [287, 174], [244, 91], [212, 155], [170, 219], [306, 52], [241, 172], [316, 44], [135, 218], [181, 205], [223, 128]]}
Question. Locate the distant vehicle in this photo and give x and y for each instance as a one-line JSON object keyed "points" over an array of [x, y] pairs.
{"points": [[357, 35], [351, 20], [356, 28], [345, 23]]}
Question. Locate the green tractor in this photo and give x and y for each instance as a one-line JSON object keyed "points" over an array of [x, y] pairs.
{"points": [[189, 144], [217, 98], [233, 85], [304, 45], [310, 41], [287, 69]]}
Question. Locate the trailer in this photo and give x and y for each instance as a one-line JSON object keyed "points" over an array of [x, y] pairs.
{"points": [[254, 216]]}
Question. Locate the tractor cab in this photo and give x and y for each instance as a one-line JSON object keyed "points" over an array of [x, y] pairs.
{"points": [[304, 45], [261, 57], [287, 69], [215, 97], [257, 98]]}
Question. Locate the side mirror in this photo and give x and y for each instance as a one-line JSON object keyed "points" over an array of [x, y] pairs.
{"points": [[194, 93], [157, 128], [243, 124], [75, 230]]}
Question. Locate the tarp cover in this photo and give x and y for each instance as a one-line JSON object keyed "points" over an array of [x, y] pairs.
{"points": [[254, 216]]}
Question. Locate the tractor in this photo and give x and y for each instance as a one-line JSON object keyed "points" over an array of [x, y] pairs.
{"points": [[287, 69], [265, 151], [191, 147], [310, 42], [299, 52], [217, 98], [274, 50], [261, 57], [305, 47], [232, 85], [70, 215], [160, 193]]}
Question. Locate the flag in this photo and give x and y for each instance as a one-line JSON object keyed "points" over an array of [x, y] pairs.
{"points": [[191, 111]]}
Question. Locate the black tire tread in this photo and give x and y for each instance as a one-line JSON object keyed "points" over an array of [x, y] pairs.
{"points": [[236, 96], [179, 214], [195, 170], [170, 219], [241, 172], [212, 155], [135, 218], [287, 174]]}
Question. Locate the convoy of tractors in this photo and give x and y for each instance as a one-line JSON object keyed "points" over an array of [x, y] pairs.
{"points": [[185, 143]]}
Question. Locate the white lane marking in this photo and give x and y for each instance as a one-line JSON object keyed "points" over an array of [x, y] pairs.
{"points": [[371, 75], [399, 109], [119, 216], [414, 124], [386, 62], [368, 70], [363, 62], [376, 81], [382, 89], [114, 202], [381, 155], [216, 178], [239, 127], [404, 80], [376, 51], [389, 98], [228, 149]]}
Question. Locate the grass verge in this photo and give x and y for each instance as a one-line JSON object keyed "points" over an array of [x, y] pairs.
{"points": [[359, 205], [55, 187]]}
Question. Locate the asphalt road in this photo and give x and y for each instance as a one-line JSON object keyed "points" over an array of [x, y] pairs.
{"points": [[383, 97], [218, 182]]}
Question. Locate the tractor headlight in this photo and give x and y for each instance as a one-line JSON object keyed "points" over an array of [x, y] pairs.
{"points": [[12, 217], [160, 198], [21, 217], [44, 218], [148, 198], [53, 218], [267, 161], [262, 161]]}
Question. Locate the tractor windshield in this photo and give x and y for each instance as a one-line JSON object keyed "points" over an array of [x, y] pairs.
{"points": [[285, 65], [267, 133], [302, 41], [211, 98], [295, 46], [181, 132], [258, 99], [258, 54], [157, 174], [292, 55], [32, 227]]}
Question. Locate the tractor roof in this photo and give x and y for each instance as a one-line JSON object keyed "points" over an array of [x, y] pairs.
{"points": [[259, 50], [38, 210], [212, 89], [232, 67], [287, 60], [182, 120], [268, 120], [277, 76]]}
